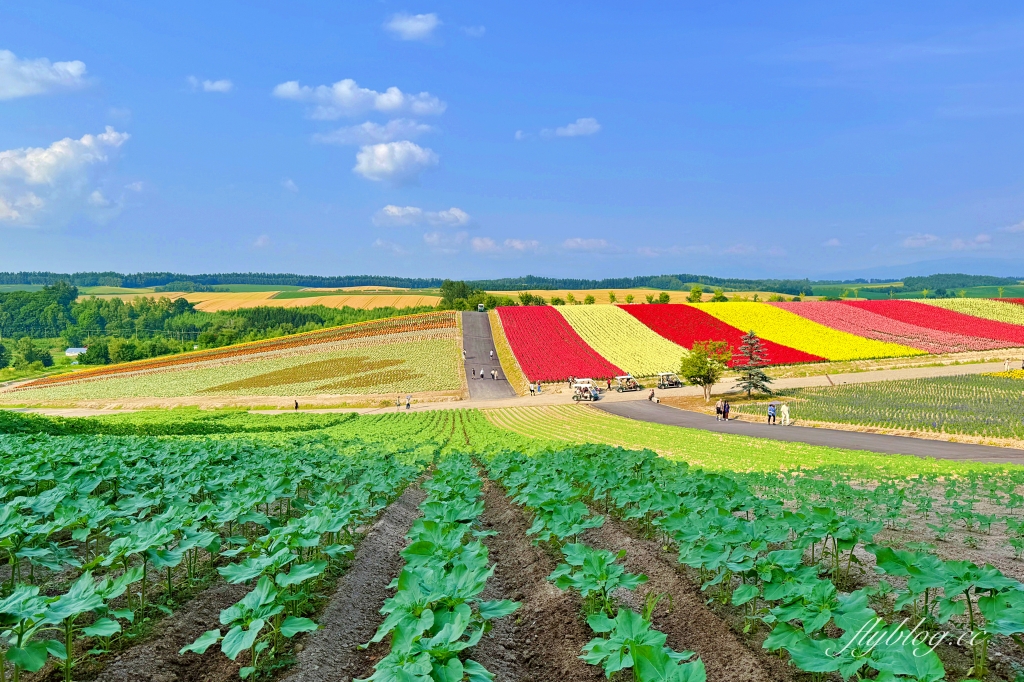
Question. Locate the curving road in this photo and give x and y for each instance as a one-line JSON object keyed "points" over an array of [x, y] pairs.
{"points": [[643, 410], [481, 354]]}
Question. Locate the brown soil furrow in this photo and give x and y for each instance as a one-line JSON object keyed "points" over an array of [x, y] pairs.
{"points": [[541, 641], [688, 622], [332, 653], [158, 661]]}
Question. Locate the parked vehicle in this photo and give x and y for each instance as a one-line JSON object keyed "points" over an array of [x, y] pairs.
{"points": [[669, 380], [626, 382]]}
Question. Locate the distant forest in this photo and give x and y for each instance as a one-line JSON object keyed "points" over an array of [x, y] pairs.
{"points": [[167, 281]]}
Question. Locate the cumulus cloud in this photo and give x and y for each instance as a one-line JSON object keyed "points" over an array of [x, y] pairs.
{"points": [[582, 127], [581, 244], [522, 245], [919, 240], [484, 245], [290, 185], [223, 85], [397, 162], [393, 216], [474, 31], [412, 26], [346, 98], [375, 133], [397, 216], [25, 77], [1019, 227], [981, 241], [53, 182]]}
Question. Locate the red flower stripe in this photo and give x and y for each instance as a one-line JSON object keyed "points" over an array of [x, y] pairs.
{"points": [[686, 325], [548, 348], [874, 326], [934, 317]]}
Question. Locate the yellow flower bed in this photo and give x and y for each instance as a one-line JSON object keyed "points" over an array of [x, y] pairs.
{"points": [[1000, 311], [623, 340], [1012, 374], [789, 329]]}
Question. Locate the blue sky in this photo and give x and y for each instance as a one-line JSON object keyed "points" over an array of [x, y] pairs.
{"points": [[501, 139]]}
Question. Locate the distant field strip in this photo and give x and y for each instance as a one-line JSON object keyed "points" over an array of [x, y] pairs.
{"points": [[935, 317], [872, 326], [623, 340], [548, 348], [686, 325], [1000, 311], [789, 329]]}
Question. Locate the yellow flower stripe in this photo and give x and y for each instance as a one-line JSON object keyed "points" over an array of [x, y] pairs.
{"points": [[999, 311], [623, 340], [789, 329]]}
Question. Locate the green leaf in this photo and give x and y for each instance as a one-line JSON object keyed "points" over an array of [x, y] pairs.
{"points": [[104, 627], [476, 672], [301, 573], [744, 593], [204, 642], [293, 626], [31, 657], [489, 610]]}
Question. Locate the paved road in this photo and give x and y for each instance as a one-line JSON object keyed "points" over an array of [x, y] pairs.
{"points": [[852, 440], [479, 345]]}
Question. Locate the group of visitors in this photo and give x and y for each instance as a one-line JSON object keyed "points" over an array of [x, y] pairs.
{"points": [[472, 373], [722, 410], [534, 388], [1006, 365], [783, 412]]}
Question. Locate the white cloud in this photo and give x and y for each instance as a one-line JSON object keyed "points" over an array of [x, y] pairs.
{"points": [[51, 183], [397, 216], [520, 135], [981, 241], [522, 245], [474, 31], [375, 133], [290, 185], [919, 240], [346, 98], [397, 162], [451, 216], [223, 85], [390, 247], [580, 244], [25, 77], [393, 216], [582, 126], [484, 245], [97, 199], [1019, 227], [412, 26], [832, 242], [134, 186], [261, 241]]}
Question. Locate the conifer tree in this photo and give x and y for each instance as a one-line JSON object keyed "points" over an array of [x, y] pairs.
{"points": [[755, 359]]}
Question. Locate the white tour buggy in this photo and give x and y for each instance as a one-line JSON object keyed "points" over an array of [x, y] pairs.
{"points": [[669, 380], [627, 383], [584, 389]]}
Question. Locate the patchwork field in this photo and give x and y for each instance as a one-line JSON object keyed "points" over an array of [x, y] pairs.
{"points": [[413, 354], [644, 339]]}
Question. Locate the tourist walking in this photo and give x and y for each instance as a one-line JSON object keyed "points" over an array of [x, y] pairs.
{"points": [[481, 372], [408, 402], [296, 405], [531, 388], [1006, 365], [718, 410], [651, 396], [492, 354], [771, 413], [784, 412], [472, 372], [725, 410], [538, 388], [463, 353]]}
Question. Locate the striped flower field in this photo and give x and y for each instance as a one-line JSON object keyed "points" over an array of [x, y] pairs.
{"points": [[552, 343]]}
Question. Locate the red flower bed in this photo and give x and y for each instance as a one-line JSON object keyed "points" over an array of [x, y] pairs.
{"points": [[860, 322], [548, 349], [934, 317], [686, 325]]}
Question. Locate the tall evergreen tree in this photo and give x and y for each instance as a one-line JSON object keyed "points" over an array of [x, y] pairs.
{"points": [[755, 359]]}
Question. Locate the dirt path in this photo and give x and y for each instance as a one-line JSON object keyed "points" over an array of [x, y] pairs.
{"points": [[331, 654], [542, 640], [158, 661], [689, 624]]}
